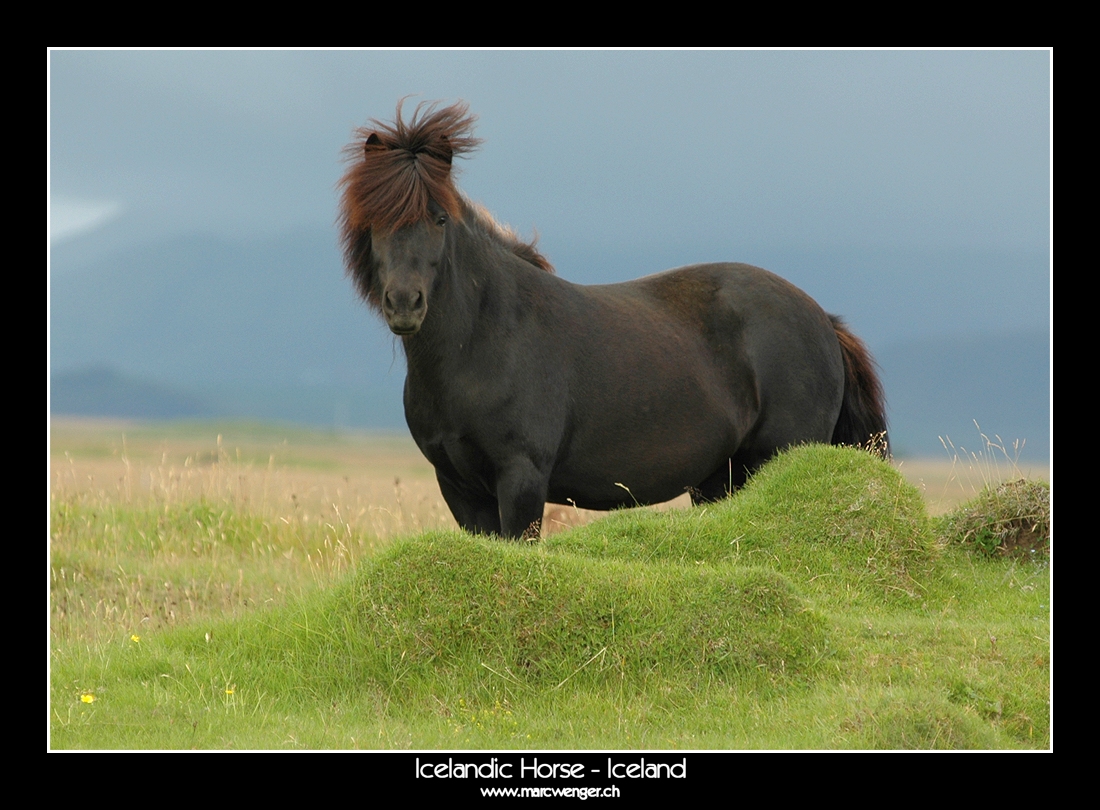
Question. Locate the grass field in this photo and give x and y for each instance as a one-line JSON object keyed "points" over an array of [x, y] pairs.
{"points": [[262, 586]]}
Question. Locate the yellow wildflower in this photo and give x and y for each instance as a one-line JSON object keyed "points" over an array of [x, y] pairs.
{"points": [[87, 697]]}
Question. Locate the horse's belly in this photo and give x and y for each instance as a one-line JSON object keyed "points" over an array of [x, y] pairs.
{"points": [[628, 488], [633, 463]]}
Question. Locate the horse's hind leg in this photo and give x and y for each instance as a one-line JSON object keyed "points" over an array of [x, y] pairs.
{"points": [[720, 484]]}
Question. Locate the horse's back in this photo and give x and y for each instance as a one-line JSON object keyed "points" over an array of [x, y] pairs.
{"points": [[674, 374]]}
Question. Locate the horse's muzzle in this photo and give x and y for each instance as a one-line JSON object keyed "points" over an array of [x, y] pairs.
{"points": [[404, 310]]}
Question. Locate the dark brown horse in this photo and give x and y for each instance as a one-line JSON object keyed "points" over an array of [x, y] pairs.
{"points": [[523, 388]]}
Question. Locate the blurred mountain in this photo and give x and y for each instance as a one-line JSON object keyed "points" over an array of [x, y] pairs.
{"points": [[267, 328], [102, 391]]}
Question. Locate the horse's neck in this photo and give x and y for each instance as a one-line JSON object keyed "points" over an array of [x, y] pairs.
{"points": [[454, 320]]}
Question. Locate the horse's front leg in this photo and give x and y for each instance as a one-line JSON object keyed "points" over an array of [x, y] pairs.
{"points": [[474, 514], [521, 493]]}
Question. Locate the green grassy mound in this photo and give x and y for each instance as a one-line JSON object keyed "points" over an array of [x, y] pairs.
{"points": [[455, 607], [812, 610], [837, 520]]}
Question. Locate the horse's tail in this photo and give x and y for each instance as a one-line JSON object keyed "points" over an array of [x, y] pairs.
{"points": [[862, 420]]}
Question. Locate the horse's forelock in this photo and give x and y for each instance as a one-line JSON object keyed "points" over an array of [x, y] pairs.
{"points": [[397, 169]]}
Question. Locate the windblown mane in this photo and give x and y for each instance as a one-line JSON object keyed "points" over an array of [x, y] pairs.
{"points": [[507, 236], [397, 169]]}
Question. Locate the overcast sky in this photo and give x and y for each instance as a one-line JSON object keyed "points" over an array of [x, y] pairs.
{"points": [[704, 155]]}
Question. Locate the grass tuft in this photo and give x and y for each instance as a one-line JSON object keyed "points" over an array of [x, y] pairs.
{"points": [[1009, 519]]}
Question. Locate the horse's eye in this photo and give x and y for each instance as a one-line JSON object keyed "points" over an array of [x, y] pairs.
{"points": [[441, 220]]}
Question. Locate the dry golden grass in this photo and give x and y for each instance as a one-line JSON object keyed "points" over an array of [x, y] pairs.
{"points": [[963, 473], [378, 483], [155, 526]]}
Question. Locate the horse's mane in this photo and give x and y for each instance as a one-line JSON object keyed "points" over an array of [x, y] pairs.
{"points": [[397, 169], [506, 235]]}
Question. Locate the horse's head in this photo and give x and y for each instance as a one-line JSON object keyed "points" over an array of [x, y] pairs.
{"points": [[398, 197], [406, 263]]}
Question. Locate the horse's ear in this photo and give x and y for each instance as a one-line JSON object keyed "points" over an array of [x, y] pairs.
{"points": [[445, 148], [373, 143]]}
